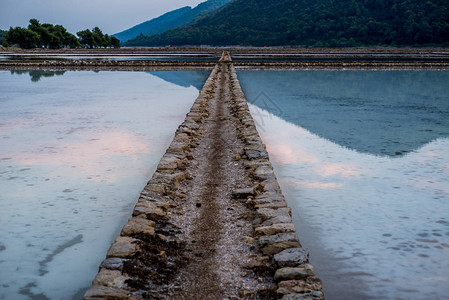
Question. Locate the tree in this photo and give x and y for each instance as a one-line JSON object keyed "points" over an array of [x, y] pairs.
{"points": [[98, 37], [25, 38], [115, 42], [56, 36], [86, 38]]}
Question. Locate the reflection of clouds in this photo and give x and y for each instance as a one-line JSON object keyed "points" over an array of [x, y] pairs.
{"points": [[331, 169], [288, 147], [89, 155], [291, 155], [320, 185], [295, 183], [428, 155]]}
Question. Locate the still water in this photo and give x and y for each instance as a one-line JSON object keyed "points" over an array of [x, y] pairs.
{"points": [[363, 160], [76, 148]]}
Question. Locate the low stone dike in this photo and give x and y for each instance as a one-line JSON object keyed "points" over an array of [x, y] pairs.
{"points": [[367, 63], [147, 255]]}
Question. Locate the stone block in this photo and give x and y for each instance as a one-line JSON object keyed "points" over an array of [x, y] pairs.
{"points": [[273, 244], [270, 204], [192, 126], [297, 273], [113, 263], [309, 285], [270, 186], [138, 225], [178, 147], [252, 164], [111, 278], [264, 172], [291, 257], [169, 162], [256, 154], [276, 220], [151, 210], [275, 229], [182, 138], [124, 247], [156, 187], [268, 213], [169, 178]]}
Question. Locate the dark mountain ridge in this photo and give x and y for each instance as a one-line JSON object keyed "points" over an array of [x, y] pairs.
{"points": [[314, 23]]}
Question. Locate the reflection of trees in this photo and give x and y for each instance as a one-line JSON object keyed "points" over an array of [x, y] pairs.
{"points": [[36, 75]]}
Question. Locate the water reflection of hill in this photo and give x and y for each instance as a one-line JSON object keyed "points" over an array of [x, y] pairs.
{"points": [[184, 78], [377, 112]]}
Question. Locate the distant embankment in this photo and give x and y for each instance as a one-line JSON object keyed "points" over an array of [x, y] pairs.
{"points": [[317, 63]]}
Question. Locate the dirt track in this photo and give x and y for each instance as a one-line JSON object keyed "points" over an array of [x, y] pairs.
{"points": [[217, 227]]}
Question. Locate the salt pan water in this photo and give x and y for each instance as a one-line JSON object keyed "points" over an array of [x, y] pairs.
{"points": [[363, 160], [76, 149]]}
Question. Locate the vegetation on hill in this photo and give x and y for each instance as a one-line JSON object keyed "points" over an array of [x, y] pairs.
{"points": [[170, 20], [51, 36], [315, 23]]}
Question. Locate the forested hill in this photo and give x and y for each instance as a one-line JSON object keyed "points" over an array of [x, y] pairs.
{"points": [[315, 23], [170, 20]]}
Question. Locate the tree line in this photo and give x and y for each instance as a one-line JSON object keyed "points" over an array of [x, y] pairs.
{"points": [[51, 36]]}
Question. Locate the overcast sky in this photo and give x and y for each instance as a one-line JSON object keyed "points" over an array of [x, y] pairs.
{"points": [[111, 16]]}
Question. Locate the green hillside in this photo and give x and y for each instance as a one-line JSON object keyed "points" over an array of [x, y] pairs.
{"points": [[315, 23], [170, 20]]}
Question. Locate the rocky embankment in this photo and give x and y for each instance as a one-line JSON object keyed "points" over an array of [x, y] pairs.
{"points": [[155, 65], [212, 222], [185, 58]]}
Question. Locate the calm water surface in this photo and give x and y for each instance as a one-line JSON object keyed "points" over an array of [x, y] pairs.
{"points": [[363, 159], [76, 148]]}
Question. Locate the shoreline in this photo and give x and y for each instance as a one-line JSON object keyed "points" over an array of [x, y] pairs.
{"points": [[150, 65], [382, 58]]}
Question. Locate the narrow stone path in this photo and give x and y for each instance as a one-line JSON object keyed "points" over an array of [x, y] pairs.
{"points": [[218, 229], [212, 222]]}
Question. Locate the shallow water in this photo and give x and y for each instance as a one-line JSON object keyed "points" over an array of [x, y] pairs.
{"points": [[76, 149], [362, 158]]}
